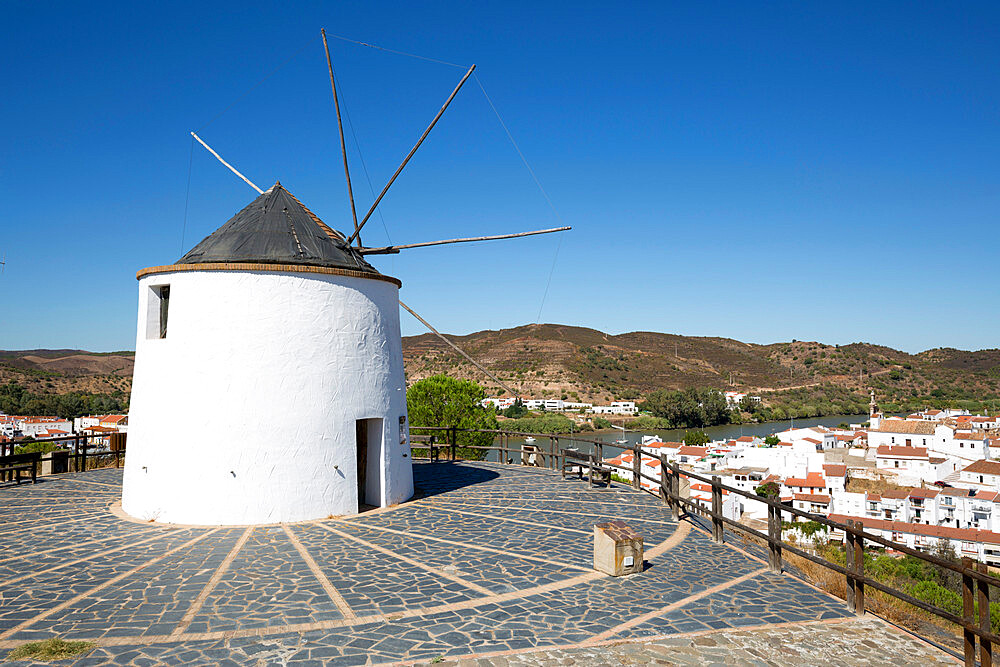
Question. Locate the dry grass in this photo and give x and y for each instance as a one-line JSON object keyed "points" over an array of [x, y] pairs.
{"points": [[879, 603], [50, 649], [873, 486]]}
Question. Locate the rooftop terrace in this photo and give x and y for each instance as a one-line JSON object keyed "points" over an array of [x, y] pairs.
{"points": [[488, 562]]}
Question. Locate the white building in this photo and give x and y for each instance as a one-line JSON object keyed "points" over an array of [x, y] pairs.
{"points": [[938, 438], [982, 474], [982, 545], [280, 346], [32, 427], [734, 398], [616, 408]]}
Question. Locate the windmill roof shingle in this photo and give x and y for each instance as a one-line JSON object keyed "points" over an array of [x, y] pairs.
{"points": [[276, 228]]}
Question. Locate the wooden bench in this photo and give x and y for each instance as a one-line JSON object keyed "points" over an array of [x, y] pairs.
{"points": [[13, 465], [427, 442], [574, 461]]}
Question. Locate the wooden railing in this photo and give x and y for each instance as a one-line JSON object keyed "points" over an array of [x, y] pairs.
{"points": [[81, 448], [976, 580]]}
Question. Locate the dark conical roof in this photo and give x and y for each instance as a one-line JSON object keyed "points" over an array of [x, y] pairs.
{"points": [[277, 229]]}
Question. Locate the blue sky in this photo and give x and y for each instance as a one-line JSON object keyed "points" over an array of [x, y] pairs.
{"points": [[761, 171]]}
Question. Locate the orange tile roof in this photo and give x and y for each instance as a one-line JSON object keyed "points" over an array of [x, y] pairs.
{"points": [[812, 479], [908, 427], [964, 534], [902, 452], [834, 470], [812, 498], [984, 467]]}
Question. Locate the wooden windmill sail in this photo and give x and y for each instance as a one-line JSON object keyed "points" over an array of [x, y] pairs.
{"points": [[352, 245]]}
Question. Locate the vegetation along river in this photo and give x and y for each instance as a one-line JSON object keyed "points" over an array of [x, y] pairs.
{"points": [[724, 432]]}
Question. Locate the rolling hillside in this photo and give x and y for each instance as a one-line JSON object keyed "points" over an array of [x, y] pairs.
{"points": [[584, 364], [62, 371], [551, 360]]}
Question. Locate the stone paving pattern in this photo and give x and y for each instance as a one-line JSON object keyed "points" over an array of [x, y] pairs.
{"points": [[854, 643], [486, 559]]}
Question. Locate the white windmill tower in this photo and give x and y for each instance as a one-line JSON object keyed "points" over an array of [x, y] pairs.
{"points": [[268, 383]]}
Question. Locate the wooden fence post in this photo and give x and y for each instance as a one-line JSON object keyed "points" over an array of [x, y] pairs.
{"points": [[665, 483], [717, 525], [968, 607], [451, 441], [985, 645], [849, 562], [556, 456], [637, 468], [859, 569], [774, 533], [675, 487]]}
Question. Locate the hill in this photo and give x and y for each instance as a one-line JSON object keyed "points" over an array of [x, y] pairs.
{"points": [[553, 361], [577, 363], [63, 371]]}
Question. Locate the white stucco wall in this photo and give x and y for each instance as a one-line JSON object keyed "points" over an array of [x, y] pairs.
{"points": [[245, 413]]}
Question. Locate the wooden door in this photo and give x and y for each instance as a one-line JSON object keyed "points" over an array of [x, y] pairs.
{"points": [[361, 430]]}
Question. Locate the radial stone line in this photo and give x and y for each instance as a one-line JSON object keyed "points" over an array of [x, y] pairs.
{"points": [[324, 581], [212, 583], [113, 580]]}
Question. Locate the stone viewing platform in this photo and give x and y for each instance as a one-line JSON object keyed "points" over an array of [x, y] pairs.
{"points": [[489, 564]]}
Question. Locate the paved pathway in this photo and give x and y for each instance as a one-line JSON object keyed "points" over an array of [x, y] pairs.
{"points": [[487, 560]]}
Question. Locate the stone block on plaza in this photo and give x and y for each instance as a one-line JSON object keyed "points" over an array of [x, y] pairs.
{"points": [[617, 549], [55, 462]]}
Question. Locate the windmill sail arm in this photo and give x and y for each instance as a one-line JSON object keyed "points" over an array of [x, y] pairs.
{"points": [[410, 154], [458, 349], [393, 249]]}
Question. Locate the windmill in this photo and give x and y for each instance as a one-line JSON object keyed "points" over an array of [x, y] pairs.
{"points": [[279, 345]]}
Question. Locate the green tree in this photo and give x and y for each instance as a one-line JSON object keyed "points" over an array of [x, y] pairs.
{"points": [[696, 438], [446, 401], [515, 411], [688, 407], [768, 490], [771, 440]]}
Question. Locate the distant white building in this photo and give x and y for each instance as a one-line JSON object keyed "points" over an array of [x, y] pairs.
{"points": [[616, 408], [734, 398], [32, 427]]}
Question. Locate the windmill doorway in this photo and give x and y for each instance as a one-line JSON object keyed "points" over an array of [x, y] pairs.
{"points": [[369, 450]]}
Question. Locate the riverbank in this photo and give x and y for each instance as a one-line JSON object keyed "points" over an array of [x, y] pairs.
{"points": [[560, 425]]}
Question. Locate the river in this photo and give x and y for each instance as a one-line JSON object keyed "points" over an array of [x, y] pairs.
{"points": [[725, 432]]}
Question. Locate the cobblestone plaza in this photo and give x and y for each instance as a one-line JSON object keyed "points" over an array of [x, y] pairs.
{"points": [[489, 564]]}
